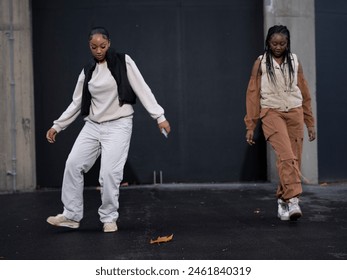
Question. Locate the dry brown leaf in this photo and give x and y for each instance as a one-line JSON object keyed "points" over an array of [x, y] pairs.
{"points": [[162, 239]]}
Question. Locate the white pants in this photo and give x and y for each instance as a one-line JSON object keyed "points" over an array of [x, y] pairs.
{"points": [[111, 140]]}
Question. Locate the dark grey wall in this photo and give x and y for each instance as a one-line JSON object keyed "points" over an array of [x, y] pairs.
{"points": [[331, 34], [196, 55]]}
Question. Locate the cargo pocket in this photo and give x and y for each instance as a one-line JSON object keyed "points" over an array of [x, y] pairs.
{"points": [[289, 172], [297, 139], [268, 124], [297, 147]]}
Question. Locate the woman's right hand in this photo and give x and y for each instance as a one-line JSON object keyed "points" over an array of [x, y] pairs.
{"points": [[50, 135], [249, 137]]}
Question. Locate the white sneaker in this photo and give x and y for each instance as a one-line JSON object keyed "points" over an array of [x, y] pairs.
{"points": [[61, 221], [294, 209], [283, 212], [110, 227]]}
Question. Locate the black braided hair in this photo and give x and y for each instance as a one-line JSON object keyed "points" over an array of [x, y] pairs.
{"points": [[278, 29]]}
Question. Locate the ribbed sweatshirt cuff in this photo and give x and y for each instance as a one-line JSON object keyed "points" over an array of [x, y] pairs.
{"points": [[161, 119]]}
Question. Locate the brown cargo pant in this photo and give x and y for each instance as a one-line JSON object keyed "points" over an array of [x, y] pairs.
{"points": [[285, 132]]}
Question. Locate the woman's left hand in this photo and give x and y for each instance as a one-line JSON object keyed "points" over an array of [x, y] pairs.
{"points": [[165, 124], [311, 133]]}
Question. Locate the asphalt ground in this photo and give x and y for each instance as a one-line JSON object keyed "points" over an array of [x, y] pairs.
{"points": [[208, 222]]}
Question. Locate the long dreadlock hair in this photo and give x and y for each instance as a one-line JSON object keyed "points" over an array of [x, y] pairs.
{"points": [[278, 29]]}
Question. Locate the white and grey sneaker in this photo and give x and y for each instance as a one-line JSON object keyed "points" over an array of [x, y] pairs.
{"points": [[61, 221], [110, 227], [294, 209], [283, 212]]}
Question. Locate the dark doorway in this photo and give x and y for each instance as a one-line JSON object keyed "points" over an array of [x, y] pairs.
{"points": [[331, 19]]}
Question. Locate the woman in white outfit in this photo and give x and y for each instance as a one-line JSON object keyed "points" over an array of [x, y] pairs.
{"points": [[105, 91]]}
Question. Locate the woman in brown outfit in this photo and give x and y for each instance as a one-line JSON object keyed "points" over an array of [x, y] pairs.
{"points": [[278, 94]]}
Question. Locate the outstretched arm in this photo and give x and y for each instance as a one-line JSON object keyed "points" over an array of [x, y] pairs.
{"points": [[145, 95]]}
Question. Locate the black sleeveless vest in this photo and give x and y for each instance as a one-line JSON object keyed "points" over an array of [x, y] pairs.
{"points": [[117, 66]]}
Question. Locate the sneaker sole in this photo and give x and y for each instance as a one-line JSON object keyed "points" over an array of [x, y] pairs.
{"points": [[110, 230], [295, 216], [282, 218]]}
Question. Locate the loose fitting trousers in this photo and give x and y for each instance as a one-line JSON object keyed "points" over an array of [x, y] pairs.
{"points": [[111, 140], [285, 132]]}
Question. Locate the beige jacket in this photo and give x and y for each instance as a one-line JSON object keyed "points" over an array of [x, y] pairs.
{"points": [[262, 95]]}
